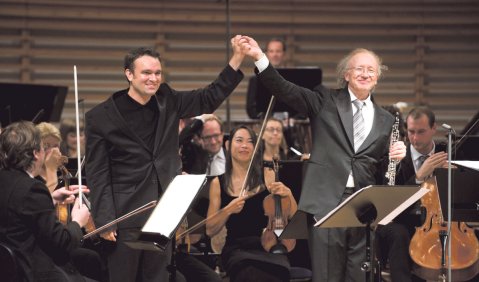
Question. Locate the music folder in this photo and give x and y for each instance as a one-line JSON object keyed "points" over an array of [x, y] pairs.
{"points": [[168, 214], [389, 202], [464, 195]]}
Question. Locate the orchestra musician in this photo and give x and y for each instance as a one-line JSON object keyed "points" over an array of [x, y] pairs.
{"points": [[274, 144], [243, 256], [53, 159], [422, 157], [337, 166], [88, 262], [132, 152], [68, 134], [28, 221]]}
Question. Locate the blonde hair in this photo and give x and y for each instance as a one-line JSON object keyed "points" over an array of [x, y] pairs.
{"points": [[47, 129]]}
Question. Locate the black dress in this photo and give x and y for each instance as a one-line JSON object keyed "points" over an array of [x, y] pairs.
{"points": [[243, 248]]}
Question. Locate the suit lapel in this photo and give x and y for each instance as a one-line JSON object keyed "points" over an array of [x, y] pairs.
{"points": [[343, 104], [378, 126], [161, 121], [116, 118]]}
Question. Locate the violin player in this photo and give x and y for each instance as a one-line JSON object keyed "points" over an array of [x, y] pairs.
{"points": [[243, 255], [28, 222], [88, 262]]}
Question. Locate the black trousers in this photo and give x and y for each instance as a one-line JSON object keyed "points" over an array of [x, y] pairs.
{"points": [[337, 253], [393, 240]]}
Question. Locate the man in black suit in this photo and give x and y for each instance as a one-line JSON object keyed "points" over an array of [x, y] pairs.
{"points": [[28, 223], [132, 152], [340, 162], [422, 157], [276, 52]]}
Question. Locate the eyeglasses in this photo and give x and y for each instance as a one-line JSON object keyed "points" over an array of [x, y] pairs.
{"points": [[211, 137], [273, 129], [360, 70]]}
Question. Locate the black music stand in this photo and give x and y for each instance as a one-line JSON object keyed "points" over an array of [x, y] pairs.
{"points": [[369, 207], [308, 77], [167, 216], [32, 102], [465, 198]]}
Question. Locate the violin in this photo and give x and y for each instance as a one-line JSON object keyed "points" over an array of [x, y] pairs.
{"points": [[184, 242], [277, 209], [428, 246], [63, 210]]}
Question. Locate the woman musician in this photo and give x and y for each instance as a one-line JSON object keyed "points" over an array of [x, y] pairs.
{"points": [[243, 255], [86, 261]]}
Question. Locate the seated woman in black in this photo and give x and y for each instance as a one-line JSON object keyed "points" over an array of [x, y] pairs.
{"points": [[243, 255]]}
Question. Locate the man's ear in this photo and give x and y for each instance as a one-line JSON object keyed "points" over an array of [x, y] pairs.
{"points": [[36, 154], [227, 144], [129, 75]]}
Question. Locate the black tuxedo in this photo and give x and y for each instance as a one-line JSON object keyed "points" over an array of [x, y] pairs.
{"points": [[327, 171], [124, 173], [28, 224]]}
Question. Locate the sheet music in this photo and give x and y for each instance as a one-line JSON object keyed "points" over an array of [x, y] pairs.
{"points": [[469, 164], [345, 202], [174, 203], [388, 201], [418, 195]]}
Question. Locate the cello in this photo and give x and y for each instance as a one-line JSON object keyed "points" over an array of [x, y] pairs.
{"points": [[277, 209], [428, 246]]}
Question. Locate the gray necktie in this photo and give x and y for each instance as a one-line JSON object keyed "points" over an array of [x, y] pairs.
{"points": [[421, 160], [358, 125], [208, 166]]}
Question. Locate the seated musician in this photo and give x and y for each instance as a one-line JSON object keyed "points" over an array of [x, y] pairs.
{"points": [[68, 146], [28, 222], [53, 158], [274, 144], [85, 259], [243, 256], [415, 168]]}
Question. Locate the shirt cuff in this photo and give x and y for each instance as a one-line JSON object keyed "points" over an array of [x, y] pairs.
{"points": [[262, 63]]}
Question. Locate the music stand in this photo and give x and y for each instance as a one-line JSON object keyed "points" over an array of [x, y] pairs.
{"points": [[305, 77], [169, 213], [369, 207], [465, 198], [32, 102]]}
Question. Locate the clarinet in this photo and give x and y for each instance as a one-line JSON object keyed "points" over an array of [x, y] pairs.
{"points": [[391, 172]]}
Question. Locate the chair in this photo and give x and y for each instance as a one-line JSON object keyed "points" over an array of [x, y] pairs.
{"points": [[8, 264], [300, 274]]}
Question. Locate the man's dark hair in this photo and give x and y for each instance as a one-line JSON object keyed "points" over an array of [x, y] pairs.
{"points": [[275, 39], [137, 53], [419, 111], [17, 143]]}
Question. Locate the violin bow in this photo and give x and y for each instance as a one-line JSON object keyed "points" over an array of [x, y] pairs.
{"points": [[77, 119], [256, 146], [243, 193]]}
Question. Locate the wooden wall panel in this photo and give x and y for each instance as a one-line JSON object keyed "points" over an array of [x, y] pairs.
{"points": [[431, 47]]}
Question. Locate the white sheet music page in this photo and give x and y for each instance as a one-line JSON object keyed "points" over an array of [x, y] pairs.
{"points": [[468, 164], [174, 203], [418, 195]]}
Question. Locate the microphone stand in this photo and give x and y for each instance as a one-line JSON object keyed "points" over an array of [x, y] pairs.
{"points": [[449, 200]]}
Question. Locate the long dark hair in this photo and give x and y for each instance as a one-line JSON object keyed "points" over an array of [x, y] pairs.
{"points": [[255, 176]]}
